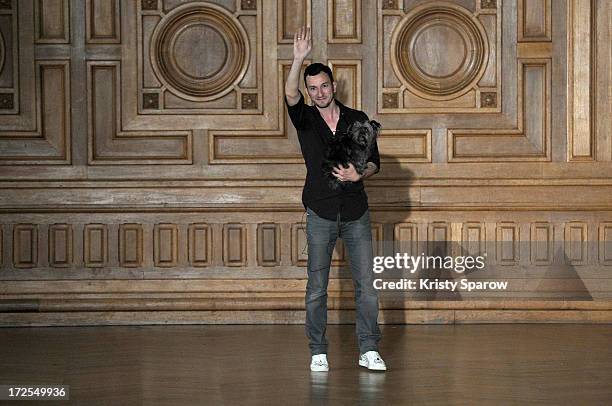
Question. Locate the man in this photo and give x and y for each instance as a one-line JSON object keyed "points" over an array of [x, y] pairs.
{"points": [[332, 213]]}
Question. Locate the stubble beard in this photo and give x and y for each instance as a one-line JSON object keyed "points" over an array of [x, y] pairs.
{"points": [[326, 104]]}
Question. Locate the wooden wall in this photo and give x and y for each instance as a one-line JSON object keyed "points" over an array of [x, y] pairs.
{"points": [[149, 174]]}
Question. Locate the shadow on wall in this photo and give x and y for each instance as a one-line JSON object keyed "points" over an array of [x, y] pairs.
{"points": [[381, 193]]}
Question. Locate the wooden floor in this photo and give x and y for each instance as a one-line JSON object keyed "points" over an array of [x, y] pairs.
{"points": [[235, 365]]}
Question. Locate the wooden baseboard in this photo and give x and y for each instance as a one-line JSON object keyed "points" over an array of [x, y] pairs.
{"points": [[99, 318]]}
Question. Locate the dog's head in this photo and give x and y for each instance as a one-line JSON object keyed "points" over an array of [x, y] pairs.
{"points": [[364, 133]]}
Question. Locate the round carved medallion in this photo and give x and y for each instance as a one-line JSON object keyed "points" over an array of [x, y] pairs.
{"points": [[439, 51], [199, 51]]}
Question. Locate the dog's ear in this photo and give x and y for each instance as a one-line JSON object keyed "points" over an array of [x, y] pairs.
{"points": [[375, 125], [356, 126]]}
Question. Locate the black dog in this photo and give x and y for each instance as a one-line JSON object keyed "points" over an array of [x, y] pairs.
{"points": [[354, 147]]}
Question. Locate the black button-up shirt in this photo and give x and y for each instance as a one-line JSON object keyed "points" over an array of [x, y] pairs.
{"points": [[313, 132]]}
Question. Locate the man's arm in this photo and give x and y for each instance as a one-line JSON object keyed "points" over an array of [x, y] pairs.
{"points": [[370, 170], [302, 45], [350, 174], [373, 163]]}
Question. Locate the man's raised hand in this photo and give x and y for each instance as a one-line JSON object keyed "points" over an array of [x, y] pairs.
{"points": [[302, 43]]}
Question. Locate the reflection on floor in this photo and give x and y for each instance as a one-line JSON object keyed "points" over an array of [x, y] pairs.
{"points": [[236, 365]]}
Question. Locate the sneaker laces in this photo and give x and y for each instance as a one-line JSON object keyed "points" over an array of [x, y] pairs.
{"points": [[319, 361]]}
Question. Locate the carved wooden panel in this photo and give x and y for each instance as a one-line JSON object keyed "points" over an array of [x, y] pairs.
{"points": [[60, 245], [406, 238], [378, 238], [148, 142], [50, 140], [534, 20], [234, 245], [344, 21], [166, 243], [25, 245], [576, 237], [200, 57], [52, 21], [473, 238], [507, 243], [102, 21], [292, 14], [529, 140], [268, 244], [439, 237], [109, 144], [347, 72], [278, 145], [95, 245], [541, 243], [9, 70], [130, 245], [200, 245], [605, 243], [438, 57], [580, 135]]}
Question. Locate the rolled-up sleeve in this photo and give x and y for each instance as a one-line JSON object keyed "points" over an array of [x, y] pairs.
{"points": [[297, 113], [374, 156]]}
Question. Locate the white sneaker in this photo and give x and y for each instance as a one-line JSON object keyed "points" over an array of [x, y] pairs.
{"points": [[373, 361], [319, 363]]}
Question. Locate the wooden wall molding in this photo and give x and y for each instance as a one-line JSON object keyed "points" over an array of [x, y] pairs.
{"points": [[200, 245], [181, 27], [344, 21], [52, 24], [108, 143], [605, 249], [534, 20], [166, 245], [103, 21], [50, 142], [25, 246], [95, 245], [268, 244], [130, 245], [197, 59], [581, 38], [514, 160], [267, 146], [235, 244], [347, 73], [473, 238], [61, 245], [412, 82], [292, 14], [530, 140], [541, 243]]}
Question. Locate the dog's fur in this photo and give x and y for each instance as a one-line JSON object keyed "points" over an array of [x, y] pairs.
{"points": [[354, 146]]}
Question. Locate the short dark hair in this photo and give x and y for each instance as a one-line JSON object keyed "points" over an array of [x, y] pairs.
{"points": [[315, 68]]}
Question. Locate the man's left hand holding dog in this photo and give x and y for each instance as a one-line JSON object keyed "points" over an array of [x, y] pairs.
{"points": [[350, 174]]}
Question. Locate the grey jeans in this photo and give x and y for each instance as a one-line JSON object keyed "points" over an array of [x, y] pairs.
{"points": [[357, 236]]}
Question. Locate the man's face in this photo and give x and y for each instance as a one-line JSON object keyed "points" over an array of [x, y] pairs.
{"points": [[320, 89]]}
